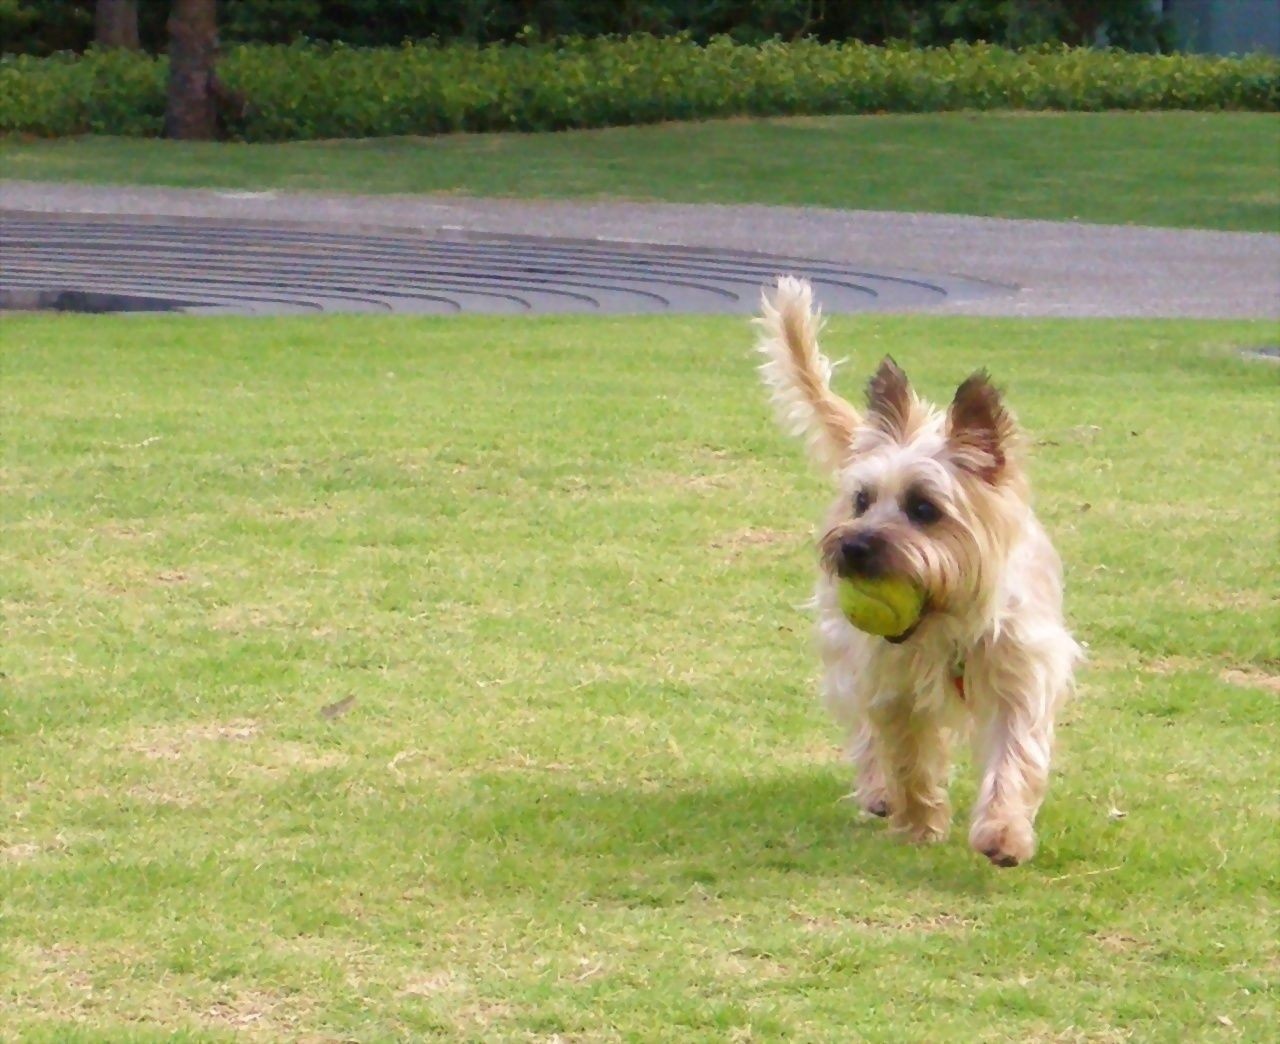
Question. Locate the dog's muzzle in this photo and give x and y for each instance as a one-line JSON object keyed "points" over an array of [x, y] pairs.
{"points": [[861, 555]]}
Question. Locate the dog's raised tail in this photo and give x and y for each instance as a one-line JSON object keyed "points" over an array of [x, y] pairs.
{"points": [[798, 375]]}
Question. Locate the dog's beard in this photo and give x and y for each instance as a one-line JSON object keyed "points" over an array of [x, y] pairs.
{"points": [[957, 560]]}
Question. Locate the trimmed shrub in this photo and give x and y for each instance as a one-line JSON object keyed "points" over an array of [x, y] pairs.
{"points": [[103, 92], [319, 91]]}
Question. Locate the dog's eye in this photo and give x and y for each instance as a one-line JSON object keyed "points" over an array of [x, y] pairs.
{"points": [[921, 511], [861, 501]]}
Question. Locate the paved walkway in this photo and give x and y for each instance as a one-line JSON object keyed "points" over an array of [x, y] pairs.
{"points": [[96, 262], [1057, 268]]}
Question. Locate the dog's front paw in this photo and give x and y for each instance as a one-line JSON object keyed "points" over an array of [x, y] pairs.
{"points": [[922, 824], [872, 798], [924, 834], [1006, 842]]}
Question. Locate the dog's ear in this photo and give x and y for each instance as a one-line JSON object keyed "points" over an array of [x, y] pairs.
{"points": [[889, 399], [980, 431]]}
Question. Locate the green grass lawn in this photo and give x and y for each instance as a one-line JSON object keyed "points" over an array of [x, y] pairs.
{"points": [[1207, 170], [394, 679]]}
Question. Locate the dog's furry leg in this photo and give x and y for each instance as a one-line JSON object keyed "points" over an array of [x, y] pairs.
{"points": [[1017, 686], [842, 691], [914, 750], [799, 375], [870, 789]]}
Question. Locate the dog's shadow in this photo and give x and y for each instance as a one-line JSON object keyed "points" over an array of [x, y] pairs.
{"points": [[649, 845]]}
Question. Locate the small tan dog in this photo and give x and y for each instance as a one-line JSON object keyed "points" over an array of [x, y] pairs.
{"points": [[938, 498]]}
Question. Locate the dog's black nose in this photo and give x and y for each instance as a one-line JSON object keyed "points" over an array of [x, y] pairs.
{"points": [[860, 555]]}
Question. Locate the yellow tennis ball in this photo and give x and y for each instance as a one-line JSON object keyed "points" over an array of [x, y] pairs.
{"points": [[888, 607]]}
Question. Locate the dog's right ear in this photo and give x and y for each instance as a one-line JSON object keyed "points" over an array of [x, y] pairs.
{"points": [[889, 399]]}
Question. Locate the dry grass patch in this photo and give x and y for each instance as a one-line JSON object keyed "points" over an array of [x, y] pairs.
{"points": [[745, 540], [175, 742], [1252, 678]]}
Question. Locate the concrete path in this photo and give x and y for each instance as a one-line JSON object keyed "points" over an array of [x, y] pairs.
{"points": [[1054, 268]]}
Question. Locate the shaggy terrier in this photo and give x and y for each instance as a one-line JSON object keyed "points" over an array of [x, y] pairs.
{"points": [[940, 499]]}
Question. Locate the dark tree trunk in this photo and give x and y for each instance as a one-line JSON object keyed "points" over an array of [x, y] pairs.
{"points": [[115, 24], [191, 112]]}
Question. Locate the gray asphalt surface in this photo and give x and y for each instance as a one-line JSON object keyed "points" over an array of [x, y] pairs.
{"points": [[1057, 268]]}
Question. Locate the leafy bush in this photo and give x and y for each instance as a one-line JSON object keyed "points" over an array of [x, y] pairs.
{"points": [[322, 91], [103, 92]]}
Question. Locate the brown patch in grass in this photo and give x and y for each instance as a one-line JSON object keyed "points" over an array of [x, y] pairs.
{"points": [[483, 1014], [1245, 677], [702, 483], [433, 983], [739, 964], [278, 758], [284, 512], [1080, 433], [1079, 1036], [257, 1013], [187, 758], [60, 970], [1252, 678], [1163, 665], [119, 530], [170, 744], [1111, 659], [419, 765], [745, 539], [19, 853], [1118, 942], [239, 618], [1256, 601], [936, 924], [148, 794], [242, 729]]}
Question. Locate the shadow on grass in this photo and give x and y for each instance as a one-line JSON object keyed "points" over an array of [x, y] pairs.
{"points": [[649, 845]]}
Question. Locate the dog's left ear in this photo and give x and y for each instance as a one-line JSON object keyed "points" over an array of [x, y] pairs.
{"points": [[980, 431], [889, 399]]}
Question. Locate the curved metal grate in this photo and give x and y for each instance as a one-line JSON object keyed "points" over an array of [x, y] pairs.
{"points": [[257, 269]]}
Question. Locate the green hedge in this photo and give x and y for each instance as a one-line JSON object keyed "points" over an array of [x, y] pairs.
{"points": [[311, 91]]}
